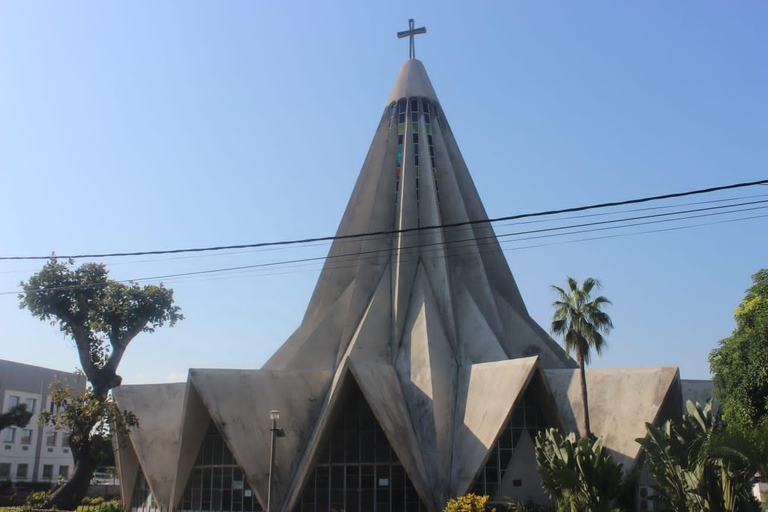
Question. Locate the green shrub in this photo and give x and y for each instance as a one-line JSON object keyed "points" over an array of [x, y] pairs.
{"points": [[468, 503], [112, 506], [579, 474], [35, 499], [513, 506]]}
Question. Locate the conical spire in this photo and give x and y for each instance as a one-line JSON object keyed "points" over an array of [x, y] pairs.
{"points": [[414, 177], [427, 302], [412, 82]]}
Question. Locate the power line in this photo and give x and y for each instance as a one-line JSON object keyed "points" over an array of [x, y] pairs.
{"points": [[400, 231], [410, 235], [473, 241], [507, 249]]}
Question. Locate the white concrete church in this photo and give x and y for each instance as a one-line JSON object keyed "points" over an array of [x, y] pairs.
{"points": [[416, 375]]}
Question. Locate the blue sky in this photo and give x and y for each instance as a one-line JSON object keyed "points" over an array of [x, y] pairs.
{"points": [[153, 125]]}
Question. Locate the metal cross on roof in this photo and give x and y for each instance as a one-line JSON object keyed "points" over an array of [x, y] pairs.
{"points": [[410, 33]]}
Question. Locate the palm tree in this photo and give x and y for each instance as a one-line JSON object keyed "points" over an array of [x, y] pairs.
{"points": [[579, 319]]}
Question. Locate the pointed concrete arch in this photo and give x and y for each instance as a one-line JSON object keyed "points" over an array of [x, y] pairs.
{"points": [[127, 466], [239, 401], [621, 402], [381, 388], [156, 440], [487, 394], [194, 424]]}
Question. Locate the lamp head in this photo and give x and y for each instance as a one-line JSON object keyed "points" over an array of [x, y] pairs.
{"points": [[274, 415]]}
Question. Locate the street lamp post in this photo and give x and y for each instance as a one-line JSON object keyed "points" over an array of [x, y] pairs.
{"points": [[274, 433]]}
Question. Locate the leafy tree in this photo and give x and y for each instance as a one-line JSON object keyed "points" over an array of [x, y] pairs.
{"points": [[691, 467], [740, 363], [582, 323], [102, 317], [16, 416], [579, 474]]}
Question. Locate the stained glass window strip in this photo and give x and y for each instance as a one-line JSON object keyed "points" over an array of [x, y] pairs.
{"points": [[401, 106], [526, 416], [415, 141], [425, 105], [358, 470], [216, 482]]}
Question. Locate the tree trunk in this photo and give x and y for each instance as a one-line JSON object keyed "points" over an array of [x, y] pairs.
{"points": [[583, 374], [69, 495]]}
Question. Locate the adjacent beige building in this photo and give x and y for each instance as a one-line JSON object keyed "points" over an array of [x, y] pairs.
{"points": [[416, 375], [33, 453]]}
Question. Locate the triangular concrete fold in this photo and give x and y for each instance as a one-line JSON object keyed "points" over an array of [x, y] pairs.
{"points": [[621, 402], [381, 388], [487, 393], [156, 439], [127, 466], [427, 370], [479, 344], [363, 214], [194, 424], [522, 467], [239, 401], [524, 338], [372, 338], [318, 352]]}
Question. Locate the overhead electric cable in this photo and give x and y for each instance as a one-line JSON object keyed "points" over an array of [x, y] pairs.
{"points": [[410, 235], [489, 240], [399, 231], [251, 273]]}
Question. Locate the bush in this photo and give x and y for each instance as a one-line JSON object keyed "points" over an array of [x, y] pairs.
{"points": [[578, 474], [468, 503], [35, 499], [513, 506], [112, 506], [13, 500]]}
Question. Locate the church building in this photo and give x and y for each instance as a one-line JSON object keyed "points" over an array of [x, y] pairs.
{"points": [[416, 375]]}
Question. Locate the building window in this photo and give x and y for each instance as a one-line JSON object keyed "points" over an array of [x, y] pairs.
{"points": [[21, 471], [47, 471], [64, 472], [9, 435], [65, 440], [216, 481], [5, 470], [358, 471], [26, 436], [142, 495], [50, 439], [13, 401], [31, 403], [526, 419]]}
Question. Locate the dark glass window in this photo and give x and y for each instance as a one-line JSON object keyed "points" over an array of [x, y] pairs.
{"points": [[401, 111], [216, 482], [525, 416], [142, 498], [358, 470]]}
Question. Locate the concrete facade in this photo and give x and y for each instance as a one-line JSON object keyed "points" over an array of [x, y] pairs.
{"points": [[427, 322], [33, 453]]}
